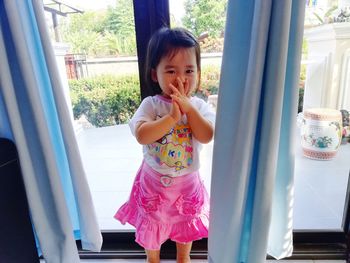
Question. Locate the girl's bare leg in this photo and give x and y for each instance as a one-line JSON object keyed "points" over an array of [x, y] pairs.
{"points": [[153, 256], [183, 252]]}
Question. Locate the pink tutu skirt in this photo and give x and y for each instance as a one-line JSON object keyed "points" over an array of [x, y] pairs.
{"points": [[162, 207]]}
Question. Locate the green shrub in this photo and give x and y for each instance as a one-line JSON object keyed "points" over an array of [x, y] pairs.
{"points": [[210, 77], [212, 44], [301, 99], [105, 100], [109, 100]]}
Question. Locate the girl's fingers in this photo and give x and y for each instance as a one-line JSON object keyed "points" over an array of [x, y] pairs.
{"points": [[181, 86], [174, 89], [174, 98], [187, 87], [176, 107]]}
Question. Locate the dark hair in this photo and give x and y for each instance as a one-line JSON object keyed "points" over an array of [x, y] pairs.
{"points": [[165, 42]]}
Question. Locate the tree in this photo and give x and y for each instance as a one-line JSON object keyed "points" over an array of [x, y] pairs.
{"points": [[120, 19], [205, 16], [120, 22], [109, 32], [83, 32]]}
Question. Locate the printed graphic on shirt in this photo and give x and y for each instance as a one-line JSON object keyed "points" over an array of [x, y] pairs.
{"points": [[174, 149]]}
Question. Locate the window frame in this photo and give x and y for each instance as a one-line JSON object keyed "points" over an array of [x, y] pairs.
{"points": [[308, 244]]}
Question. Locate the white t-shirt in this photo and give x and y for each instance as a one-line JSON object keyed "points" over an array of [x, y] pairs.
{"points": [[177, 152]]}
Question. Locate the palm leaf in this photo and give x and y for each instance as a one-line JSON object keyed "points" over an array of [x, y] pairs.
{"points": [[330, 11], [318, 17]]}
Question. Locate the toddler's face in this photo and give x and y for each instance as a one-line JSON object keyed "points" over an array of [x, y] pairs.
{"points": [[181, 64]]}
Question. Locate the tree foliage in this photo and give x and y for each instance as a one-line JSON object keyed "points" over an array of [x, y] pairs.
{"points": [[120, 23], [120, 19], [82, 32], [112, 32], [109, 32], [205, 16]]}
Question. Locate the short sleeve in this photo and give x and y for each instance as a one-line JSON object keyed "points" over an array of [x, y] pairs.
{"points": [[145, 112], [206, 110]]}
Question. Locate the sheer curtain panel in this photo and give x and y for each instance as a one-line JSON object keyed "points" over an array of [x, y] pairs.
{"points": [[35, 116]]}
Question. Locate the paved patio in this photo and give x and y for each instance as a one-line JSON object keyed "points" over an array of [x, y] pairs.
{"points": [[111, 158]]}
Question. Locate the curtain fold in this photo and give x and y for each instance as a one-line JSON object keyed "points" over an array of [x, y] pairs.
{"points": [[39, 123], [88, 230], [5, 129], [253, 157], [281, 230]]}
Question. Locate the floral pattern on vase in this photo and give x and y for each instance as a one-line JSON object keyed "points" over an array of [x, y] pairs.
{"points": [[321, 133]]}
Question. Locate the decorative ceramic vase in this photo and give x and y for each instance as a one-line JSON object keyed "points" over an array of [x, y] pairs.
{"points": [[321, 133]]}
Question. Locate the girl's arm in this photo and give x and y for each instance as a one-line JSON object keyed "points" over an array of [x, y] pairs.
{"points": [[202, 129], [151, 131]]}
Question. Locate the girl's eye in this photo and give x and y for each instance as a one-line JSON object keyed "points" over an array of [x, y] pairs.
{"points": [[189, 71], [171, 72]]}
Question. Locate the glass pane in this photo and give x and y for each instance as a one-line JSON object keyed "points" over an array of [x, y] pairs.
{"points": [[97, 56], [96, 53], [208, 27], [322, 144]]}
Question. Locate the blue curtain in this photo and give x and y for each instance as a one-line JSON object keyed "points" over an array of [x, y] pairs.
{"points": [[34, 114], [253, 157]]}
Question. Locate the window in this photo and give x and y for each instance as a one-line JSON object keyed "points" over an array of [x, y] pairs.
{"points": [[96, 49], [321, 198], [321, 186]]}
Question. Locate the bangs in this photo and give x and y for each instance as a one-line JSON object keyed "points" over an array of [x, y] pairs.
{"points": [[170, 52]]}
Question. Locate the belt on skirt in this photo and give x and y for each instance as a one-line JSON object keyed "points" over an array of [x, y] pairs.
{"points": [[165, 180]]}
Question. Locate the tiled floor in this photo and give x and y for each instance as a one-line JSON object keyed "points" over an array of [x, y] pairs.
{"points": [[112, 156]]}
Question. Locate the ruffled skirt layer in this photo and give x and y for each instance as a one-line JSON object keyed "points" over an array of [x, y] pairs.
{"points": [[161, 208]]}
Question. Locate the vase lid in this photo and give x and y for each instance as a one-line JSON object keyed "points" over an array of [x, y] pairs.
{"points": [[322, 113]]}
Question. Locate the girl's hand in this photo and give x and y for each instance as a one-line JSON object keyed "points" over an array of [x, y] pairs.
{"points": [[181, 95], [175, 111]]}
